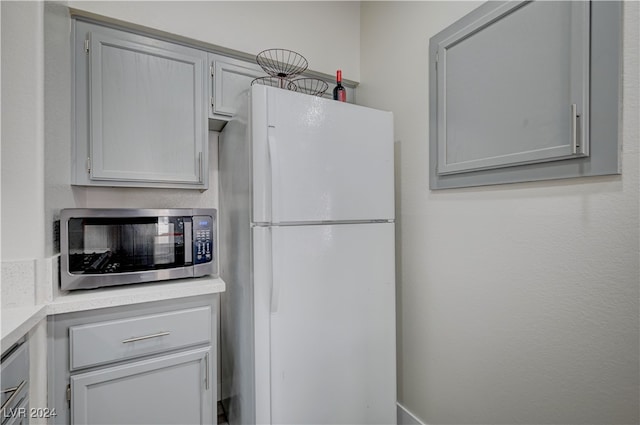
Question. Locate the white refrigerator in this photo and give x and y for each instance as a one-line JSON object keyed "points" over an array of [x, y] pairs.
{"points": [[308, 324]]}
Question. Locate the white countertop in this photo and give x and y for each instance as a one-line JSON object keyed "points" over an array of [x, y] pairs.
{"points": [[16, 322]]}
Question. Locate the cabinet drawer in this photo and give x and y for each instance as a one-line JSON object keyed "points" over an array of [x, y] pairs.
{"points": [[104, 342]]}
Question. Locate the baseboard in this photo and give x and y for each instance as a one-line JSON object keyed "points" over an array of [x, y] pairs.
{"points": [[405, 417]]}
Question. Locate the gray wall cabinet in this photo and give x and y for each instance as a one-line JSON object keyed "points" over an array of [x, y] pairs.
{"points": [[512, 93], [141, 364], [140, 111], [229, 78]]}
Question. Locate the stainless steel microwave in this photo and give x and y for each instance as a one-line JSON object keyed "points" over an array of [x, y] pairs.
{"points": [[106, 247]]}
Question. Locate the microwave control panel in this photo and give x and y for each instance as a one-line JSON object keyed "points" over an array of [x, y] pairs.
{"points": [[203, 239]]}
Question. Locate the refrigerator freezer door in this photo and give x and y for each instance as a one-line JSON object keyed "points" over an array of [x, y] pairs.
{"points": [[332, 346], [319, 160]]}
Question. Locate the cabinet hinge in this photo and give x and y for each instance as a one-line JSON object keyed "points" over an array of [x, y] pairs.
{"points": [[89, 165], [211, 101], [69, 395], [86, 45], [211, 70], [437, 59]]}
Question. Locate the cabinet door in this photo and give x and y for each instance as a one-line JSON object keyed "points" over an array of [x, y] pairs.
{"points": [[230, 78], [140, 111], [172, 389], [525, 97], [525, 91]]}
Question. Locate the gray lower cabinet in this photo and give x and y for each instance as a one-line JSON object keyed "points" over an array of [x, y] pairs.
{"points": [[151, 363], [140, 110], [171, 389], [14, 378]]}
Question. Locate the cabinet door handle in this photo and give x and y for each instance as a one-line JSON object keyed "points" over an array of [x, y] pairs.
{"points": [[206, 371], [574, 128], [10, 390], [141, 338], [200, 168], [16, 391]]}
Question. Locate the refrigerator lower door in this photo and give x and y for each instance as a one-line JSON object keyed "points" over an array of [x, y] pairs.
{"points": [[331, 321]]}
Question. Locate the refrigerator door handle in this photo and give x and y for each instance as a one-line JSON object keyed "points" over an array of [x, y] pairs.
{"points": [[275, 176], [270, 247]]}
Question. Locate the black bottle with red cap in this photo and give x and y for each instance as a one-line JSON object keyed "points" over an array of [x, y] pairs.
{"points": [[339, 92]]}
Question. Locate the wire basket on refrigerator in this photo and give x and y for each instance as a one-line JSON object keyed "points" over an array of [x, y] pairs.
{"points": [[282, 63], [276, 82], [312, 86]]}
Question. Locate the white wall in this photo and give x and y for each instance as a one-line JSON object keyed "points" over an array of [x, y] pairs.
{"points": [[22, 146], [0, 141], [22, 131], [326, 33], [517, 303]]}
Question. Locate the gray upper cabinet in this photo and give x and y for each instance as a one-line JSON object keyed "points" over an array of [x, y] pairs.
{"points": [[139, 109], [229, 78], [509, 82], [510, 94]]}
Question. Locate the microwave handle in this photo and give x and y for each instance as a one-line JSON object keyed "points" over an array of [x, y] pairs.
{"points": [[188, 242]]}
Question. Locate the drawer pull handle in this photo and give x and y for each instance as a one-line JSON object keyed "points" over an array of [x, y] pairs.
{"points": [[16, 391], [141, 338]]}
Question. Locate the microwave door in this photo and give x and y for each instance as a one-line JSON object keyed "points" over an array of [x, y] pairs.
{"points": [[118, 245], [165, 249]]}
